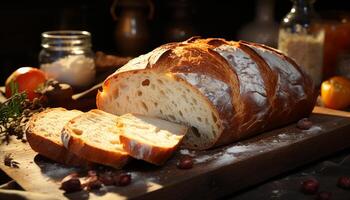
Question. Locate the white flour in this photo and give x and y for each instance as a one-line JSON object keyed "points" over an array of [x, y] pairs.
{"points": [[289, 76], [204, 158], [240, 149], [227, 155], [251, 81], [76, 70], [283, 136], [187, 152], [313, 129], [225, 158], [218, 92]]}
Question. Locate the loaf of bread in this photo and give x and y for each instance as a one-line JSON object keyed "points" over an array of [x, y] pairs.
{"points": [[94, 137], [224, 90], [44, 135], [148, 138]]}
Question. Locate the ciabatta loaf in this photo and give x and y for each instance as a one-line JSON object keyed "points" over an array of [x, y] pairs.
{"points": [[225, 90], [44, 135], [94, 137], [149, 138]]}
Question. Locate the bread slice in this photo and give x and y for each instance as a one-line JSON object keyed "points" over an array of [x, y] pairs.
{"points": [[44, 135], [149, 138], [93, 136]]}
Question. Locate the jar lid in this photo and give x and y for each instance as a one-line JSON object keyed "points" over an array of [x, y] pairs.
{"points": [[66, 38]]}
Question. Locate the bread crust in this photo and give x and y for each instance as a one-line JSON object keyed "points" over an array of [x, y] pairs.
{"points": [[289, 95], [49, 148], [155, 154]]}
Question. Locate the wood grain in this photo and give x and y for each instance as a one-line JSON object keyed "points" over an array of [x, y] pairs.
{"points": [[216, 172]]}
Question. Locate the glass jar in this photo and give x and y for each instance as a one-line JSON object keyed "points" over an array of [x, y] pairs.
{"points": [[67, 57], [301, 37]]}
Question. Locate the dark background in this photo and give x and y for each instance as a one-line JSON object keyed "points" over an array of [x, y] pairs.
{"points": [[22, 22]]}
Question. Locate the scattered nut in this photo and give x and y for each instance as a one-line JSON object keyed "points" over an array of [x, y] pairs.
{"points": [[93, 183], [122, 179], [310, 186], [344, 182], [8, 161], [186, 162], [70, 176], [304, 124], [145, 82], [324, 196], [71, 183], [107, 178], [26, 112], [92, 173]]}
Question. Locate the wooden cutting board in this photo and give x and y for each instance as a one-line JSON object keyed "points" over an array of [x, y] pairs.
{"points": [[216, 173]]}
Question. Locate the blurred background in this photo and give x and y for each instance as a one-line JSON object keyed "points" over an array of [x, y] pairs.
{"points": [[157, 22]]}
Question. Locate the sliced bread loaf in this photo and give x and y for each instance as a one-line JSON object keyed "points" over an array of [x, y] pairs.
{"points": [[149, 138], [93, 136], [44, 135], [225, 90]]}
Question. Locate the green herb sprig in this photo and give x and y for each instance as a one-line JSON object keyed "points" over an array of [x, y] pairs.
{"points": [[15, 113]]}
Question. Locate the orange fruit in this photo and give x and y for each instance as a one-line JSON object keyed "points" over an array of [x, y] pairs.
{"points": [[335, 92], [28, 79]]}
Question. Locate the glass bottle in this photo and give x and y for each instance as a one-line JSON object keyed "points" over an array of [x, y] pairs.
{"points": [[301, 37], [67, 57]]}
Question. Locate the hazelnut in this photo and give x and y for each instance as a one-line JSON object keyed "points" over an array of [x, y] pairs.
{"points": [[310, 186], [304, 124], [324, 196], [70, 176], [92, 183], [344, 182], [71, 183], [92, 173], [186, 162], [122, 179], [106, 178]]}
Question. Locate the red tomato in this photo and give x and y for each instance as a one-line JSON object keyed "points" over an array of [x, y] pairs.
{"points": [[28, 79]]}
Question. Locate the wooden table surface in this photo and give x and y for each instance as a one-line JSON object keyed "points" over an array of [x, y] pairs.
{"points": [[216, 172]]}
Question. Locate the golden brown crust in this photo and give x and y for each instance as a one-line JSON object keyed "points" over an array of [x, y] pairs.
{"points": [[49, 148]]}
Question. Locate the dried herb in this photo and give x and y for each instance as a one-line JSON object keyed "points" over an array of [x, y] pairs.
{"points": [[15, 113], [8, 161]]}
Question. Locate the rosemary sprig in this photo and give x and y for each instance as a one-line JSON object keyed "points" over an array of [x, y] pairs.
{"points": [[12, 107], [15, 113]]}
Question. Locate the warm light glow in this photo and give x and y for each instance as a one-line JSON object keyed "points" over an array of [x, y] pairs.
{"points": [[23, 70], [326, 86]]}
